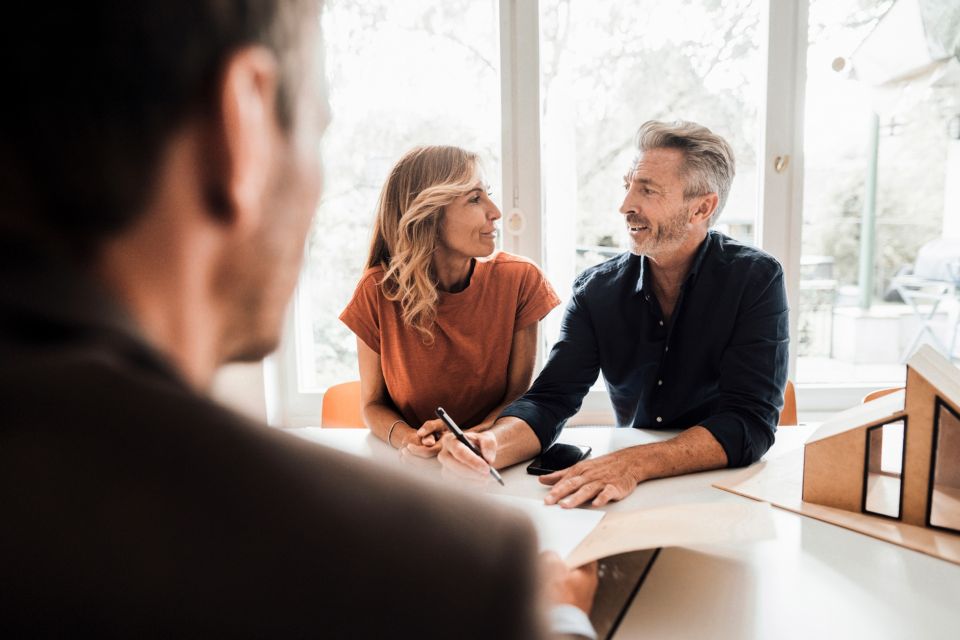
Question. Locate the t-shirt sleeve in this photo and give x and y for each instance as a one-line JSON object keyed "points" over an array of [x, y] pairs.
{"points": [[362, 312], [536, 297]]}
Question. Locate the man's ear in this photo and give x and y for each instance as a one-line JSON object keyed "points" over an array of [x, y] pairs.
{"points": [[706, 206], [244, 135]]}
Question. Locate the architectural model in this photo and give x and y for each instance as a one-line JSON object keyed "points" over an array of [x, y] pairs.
{"points": [[897, 456]]}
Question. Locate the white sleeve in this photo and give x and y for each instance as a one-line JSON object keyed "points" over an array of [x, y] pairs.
{"points": [[566, 619]]}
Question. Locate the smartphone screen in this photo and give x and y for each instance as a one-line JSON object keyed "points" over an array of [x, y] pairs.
{"points": [[557, 457]]}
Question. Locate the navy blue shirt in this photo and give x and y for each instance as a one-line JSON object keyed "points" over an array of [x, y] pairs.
{"points": [[721, 362]]}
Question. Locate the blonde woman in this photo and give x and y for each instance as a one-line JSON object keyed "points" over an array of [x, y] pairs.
{"points": [[440, 319]]}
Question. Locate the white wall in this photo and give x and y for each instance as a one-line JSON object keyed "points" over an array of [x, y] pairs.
{"points": [[241, 387]]}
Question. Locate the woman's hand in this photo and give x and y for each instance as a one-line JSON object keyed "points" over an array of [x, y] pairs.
{"points": [[425, 441], [430, 432]]}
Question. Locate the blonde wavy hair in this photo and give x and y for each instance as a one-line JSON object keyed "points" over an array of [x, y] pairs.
{"points": [[407, 228]]}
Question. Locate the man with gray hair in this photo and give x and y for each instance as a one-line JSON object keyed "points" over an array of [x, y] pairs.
{"points": [[689, 328]]}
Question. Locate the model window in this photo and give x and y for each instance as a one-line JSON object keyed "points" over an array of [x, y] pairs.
{"points": [[883, 491], [945, 475]]}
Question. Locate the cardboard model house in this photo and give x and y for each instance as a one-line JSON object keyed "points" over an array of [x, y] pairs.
{"points": [[897, 456]]}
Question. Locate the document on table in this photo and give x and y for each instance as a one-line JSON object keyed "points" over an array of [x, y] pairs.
{"points": [[583, 535], [559, 529], [681, 525]]}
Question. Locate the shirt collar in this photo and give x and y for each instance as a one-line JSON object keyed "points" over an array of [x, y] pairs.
{"points": [[644, 274]]}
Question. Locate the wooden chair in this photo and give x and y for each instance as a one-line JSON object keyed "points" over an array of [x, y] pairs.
{"points": [[788, 415], [341, 406], [879, 393]]}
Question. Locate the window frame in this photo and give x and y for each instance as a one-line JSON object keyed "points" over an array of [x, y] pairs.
{"points": [[780, 196]]}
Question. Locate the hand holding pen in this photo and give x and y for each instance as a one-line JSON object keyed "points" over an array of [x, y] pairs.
{"points": [[459, 434]]}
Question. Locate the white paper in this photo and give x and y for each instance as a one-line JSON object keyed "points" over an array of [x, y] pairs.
{"points": [[559, 529], [679, 525]]}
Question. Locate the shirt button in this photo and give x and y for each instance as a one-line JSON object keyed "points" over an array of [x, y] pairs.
{"points": [[665, 349], [659, 382], [661, 323], [659, 419]]}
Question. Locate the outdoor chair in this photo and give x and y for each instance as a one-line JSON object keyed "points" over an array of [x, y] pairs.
{"points": [[935, 279]]}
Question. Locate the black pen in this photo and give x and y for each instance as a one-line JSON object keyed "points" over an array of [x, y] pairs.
{"points": [[458, 432]]}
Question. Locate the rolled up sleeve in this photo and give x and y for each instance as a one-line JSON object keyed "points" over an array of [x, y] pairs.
{"points": [[571, 369], [753, 374]]}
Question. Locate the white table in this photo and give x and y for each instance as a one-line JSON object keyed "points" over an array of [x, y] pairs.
{"points": [[814, 580]]}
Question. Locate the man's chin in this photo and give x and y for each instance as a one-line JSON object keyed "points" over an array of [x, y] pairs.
{"points": [[253, 351], [640, 248]]}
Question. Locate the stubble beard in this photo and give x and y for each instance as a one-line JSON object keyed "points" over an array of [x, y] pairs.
{"points": [[669, 236]]}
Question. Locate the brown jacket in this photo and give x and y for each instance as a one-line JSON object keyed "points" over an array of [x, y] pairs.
{"points": [[131, 506]]}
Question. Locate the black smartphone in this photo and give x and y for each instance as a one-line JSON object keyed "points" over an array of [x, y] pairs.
{"points": [[557, 457]]}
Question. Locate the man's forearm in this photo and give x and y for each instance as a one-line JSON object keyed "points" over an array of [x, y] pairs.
{"points": [[516, 441], [692, 450]]}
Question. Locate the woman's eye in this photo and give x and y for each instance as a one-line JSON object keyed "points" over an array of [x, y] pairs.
{"points": [[475, 200]]}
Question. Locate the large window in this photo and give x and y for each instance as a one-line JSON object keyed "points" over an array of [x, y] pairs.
{"points": [[606, 67], [848, 185], [402, 74], [876, 275]]}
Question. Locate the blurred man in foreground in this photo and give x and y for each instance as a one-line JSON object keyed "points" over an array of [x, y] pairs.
{"points": [[160, 168]]}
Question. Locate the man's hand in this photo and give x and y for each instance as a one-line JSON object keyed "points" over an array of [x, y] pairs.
{"points": [[610, 477], [568, 586], [615, 475], [460, 461]]}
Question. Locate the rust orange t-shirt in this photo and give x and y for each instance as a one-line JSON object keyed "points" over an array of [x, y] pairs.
{"points": [[465, 369]]}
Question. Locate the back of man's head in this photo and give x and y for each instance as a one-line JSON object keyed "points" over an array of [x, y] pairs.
{"points": [[99, 87]]}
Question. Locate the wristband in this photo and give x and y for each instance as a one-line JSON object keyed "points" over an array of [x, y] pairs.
{"points": [[390, 431]]}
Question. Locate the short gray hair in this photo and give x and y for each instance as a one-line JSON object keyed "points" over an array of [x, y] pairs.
{"points": [[708, 165]]}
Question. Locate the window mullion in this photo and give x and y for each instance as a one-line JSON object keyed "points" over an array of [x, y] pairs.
{"points": [[520, 104], [781, 143]]}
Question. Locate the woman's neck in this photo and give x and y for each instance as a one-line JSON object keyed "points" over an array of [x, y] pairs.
{"points": [[453, 273]]}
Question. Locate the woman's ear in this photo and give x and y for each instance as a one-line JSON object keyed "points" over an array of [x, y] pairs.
{"points": [[244, 137]]}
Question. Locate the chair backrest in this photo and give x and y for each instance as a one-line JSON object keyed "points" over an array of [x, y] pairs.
{"points": [[879, 393], [935, 258], [788, 415], [341, 406]]}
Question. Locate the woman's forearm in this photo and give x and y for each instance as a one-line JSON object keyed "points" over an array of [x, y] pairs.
{"points": [[385, 422]]}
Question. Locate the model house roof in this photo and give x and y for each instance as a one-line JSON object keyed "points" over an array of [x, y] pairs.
{"points": [[928, 363], [870, 412], [938, 371]]}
